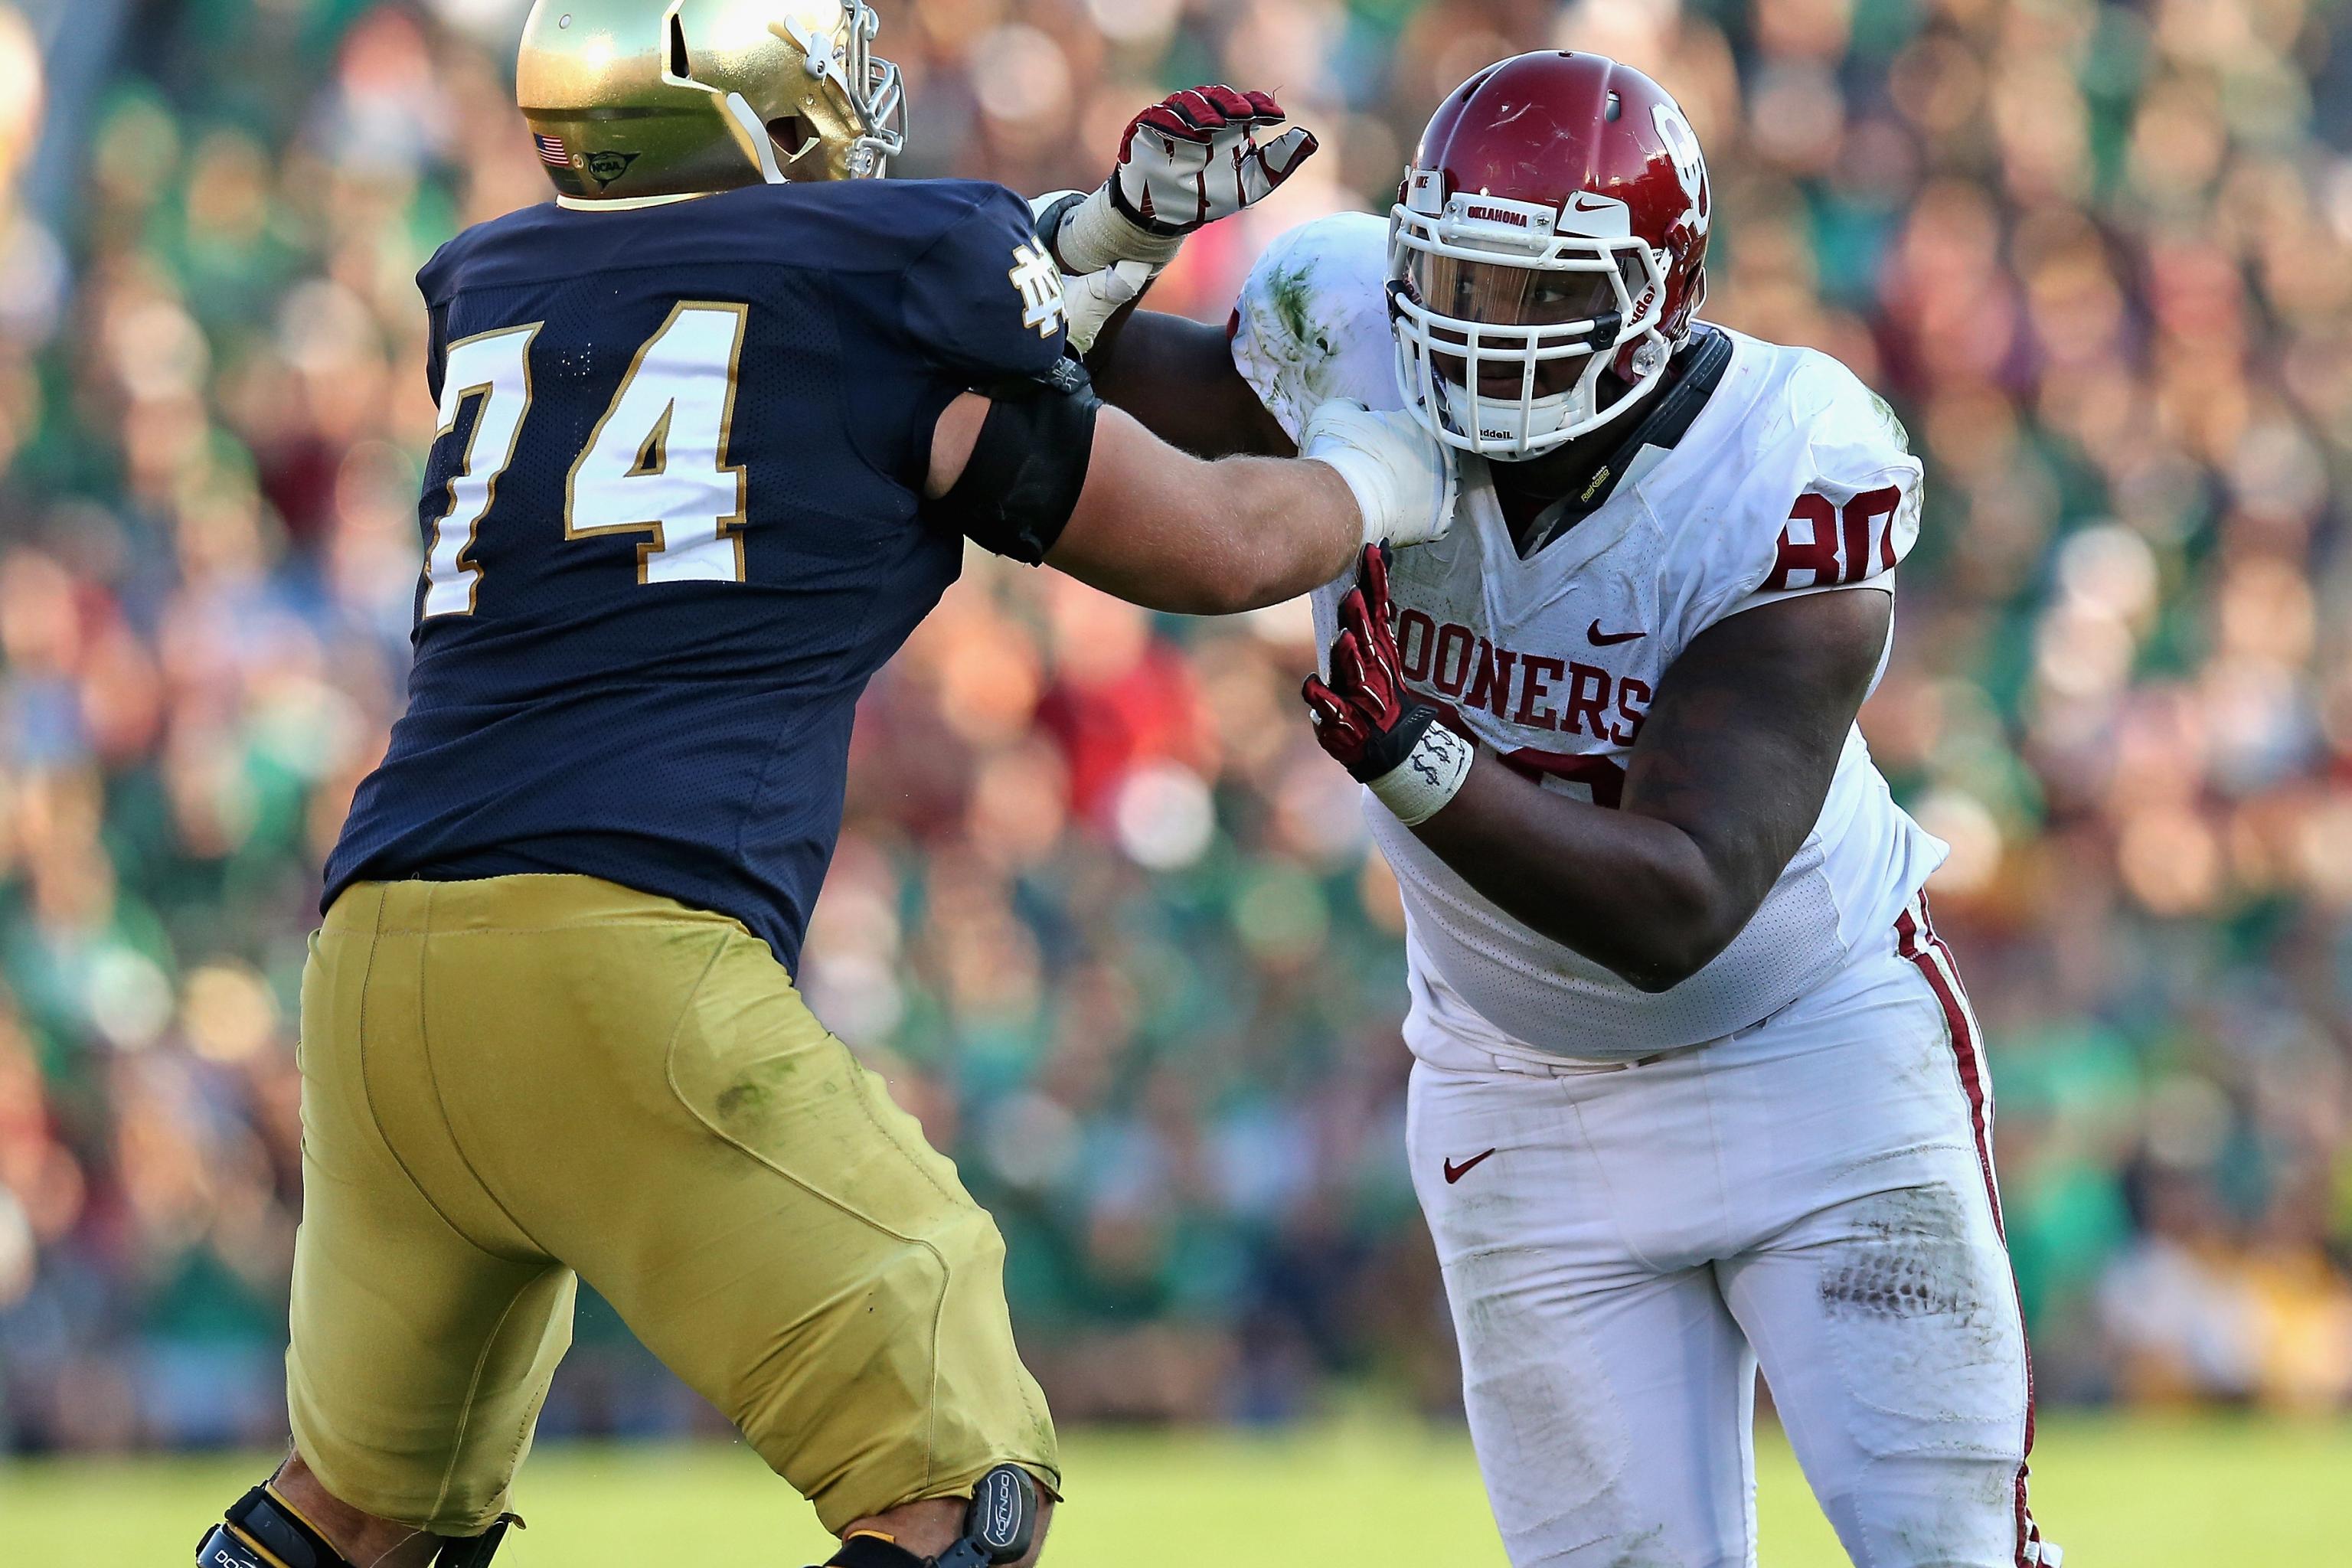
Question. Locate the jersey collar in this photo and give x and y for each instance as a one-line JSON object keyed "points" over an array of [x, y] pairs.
{"points": [[625, 203], [1663, 425]]}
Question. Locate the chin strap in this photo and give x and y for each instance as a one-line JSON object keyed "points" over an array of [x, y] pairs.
{"points": [[262, 1530]]}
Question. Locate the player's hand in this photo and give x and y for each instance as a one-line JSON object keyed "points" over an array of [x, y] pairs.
{"points": [[1187, 160], [1365, 717], [1402, 477], [1194, 157]]}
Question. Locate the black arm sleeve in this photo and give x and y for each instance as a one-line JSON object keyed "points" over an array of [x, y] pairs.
{"points": [[1021, 481]]}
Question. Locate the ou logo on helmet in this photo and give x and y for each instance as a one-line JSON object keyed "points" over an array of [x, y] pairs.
{"points": [[1690, 166]]}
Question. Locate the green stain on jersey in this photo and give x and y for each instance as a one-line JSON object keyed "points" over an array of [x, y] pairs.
{"points": [[1288, 291]]}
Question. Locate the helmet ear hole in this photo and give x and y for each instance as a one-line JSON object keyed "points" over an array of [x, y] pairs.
{"points": [[678, 64], [791, 132]]}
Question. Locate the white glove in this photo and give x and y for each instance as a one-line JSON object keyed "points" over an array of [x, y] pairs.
{"points": [[1184, 162], [1402, 476]]}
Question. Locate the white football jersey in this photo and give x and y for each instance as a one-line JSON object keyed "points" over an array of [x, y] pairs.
{"points": [[1789, 477]]}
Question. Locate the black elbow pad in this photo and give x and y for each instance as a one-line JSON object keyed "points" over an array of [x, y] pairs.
{"points": [[1021, 481]]}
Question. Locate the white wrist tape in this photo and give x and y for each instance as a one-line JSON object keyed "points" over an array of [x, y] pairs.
{"points": [[1403, 482], [1094, 234], [1092, 300], [1433, 775]]}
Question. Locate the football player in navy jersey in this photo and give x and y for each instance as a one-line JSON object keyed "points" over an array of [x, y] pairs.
{"points": [[714, 428]]}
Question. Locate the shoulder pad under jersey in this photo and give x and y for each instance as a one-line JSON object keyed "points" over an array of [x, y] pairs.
{"points": [[1828, 497], [1312, 322], [984, 301]]}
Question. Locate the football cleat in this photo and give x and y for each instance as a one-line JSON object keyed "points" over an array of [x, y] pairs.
{"points": [[629, 102]]}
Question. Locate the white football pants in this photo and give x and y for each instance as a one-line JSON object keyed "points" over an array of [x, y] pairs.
{"points": [[1623, 1245]]}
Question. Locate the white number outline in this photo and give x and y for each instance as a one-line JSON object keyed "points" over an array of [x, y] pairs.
{"points": [[727, 526], [453, 402]]}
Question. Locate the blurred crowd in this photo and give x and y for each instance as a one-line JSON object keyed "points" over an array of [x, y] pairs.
{"points": [[1102, 911]]}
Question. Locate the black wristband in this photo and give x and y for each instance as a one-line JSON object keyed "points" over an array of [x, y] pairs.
{"points": [[1383, 753]]}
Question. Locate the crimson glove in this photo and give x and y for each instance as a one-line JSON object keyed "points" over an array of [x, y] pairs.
{"points": [[1193, 157], [1365, 717], [1184, 162]]}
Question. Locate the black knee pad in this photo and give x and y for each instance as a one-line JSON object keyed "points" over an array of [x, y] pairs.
{"points": [[1001, 1523], [261, 1531], [998, 1527]]}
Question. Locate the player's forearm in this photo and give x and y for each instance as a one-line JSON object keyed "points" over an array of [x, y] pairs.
{"points": [[1213, 538], [1291, 527], [1176, 377], [1633, 893]]}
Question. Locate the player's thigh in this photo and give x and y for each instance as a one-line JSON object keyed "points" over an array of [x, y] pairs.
{"points": [[419, 1353], [1610, 1404], [1875, 1286], [778, 1231], [1888, 1329]]}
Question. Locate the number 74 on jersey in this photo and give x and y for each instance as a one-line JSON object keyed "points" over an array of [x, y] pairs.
{"points": [[655, 464]]}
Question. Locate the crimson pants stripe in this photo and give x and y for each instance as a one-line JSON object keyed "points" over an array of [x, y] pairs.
{"points": [[1934, 962]]}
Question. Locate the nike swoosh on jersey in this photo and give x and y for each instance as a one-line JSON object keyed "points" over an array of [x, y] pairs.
{"points": [[1454, 1173], [1599, 638]]}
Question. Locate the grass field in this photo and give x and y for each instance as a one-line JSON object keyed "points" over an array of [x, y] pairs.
{"points": [[2122, 1494]]}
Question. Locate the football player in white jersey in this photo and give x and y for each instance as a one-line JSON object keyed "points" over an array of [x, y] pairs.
{"points": [[1696, 1086]]}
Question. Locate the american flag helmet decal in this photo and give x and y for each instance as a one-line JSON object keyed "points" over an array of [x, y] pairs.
{"points": [[550, 151]]}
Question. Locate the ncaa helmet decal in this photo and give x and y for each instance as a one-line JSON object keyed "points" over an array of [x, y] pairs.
{"points": [[1551, 228]]}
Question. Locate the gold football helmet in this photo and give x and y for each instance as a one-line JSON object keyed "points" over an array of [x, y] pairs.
{"points": [[636, 98]]}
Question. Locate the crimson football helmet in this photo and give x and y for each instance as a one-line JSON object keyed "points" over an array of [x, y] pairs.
{"points": [[1551, 225]]}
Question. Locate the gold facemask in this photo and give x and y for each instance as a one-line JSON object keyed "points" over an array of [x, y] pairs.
{"points": [[636, 98]]}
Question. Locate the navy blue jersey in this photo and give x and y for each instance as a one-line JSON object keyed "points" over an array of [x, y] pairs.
{"points": [[673, 522]]}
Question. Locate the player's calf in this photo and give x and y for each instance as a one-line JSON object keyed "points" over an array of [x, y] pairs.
{"points": [[292, 1521], [1003, 1526]]}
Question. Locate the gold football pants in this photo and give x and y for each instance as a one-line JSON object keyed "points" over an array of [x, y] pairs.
{"points": [[513, 1083]]}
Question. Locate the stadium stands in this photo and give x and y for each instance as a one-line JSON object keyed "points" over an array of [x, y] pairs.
{"points": [[1120, 943]]}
